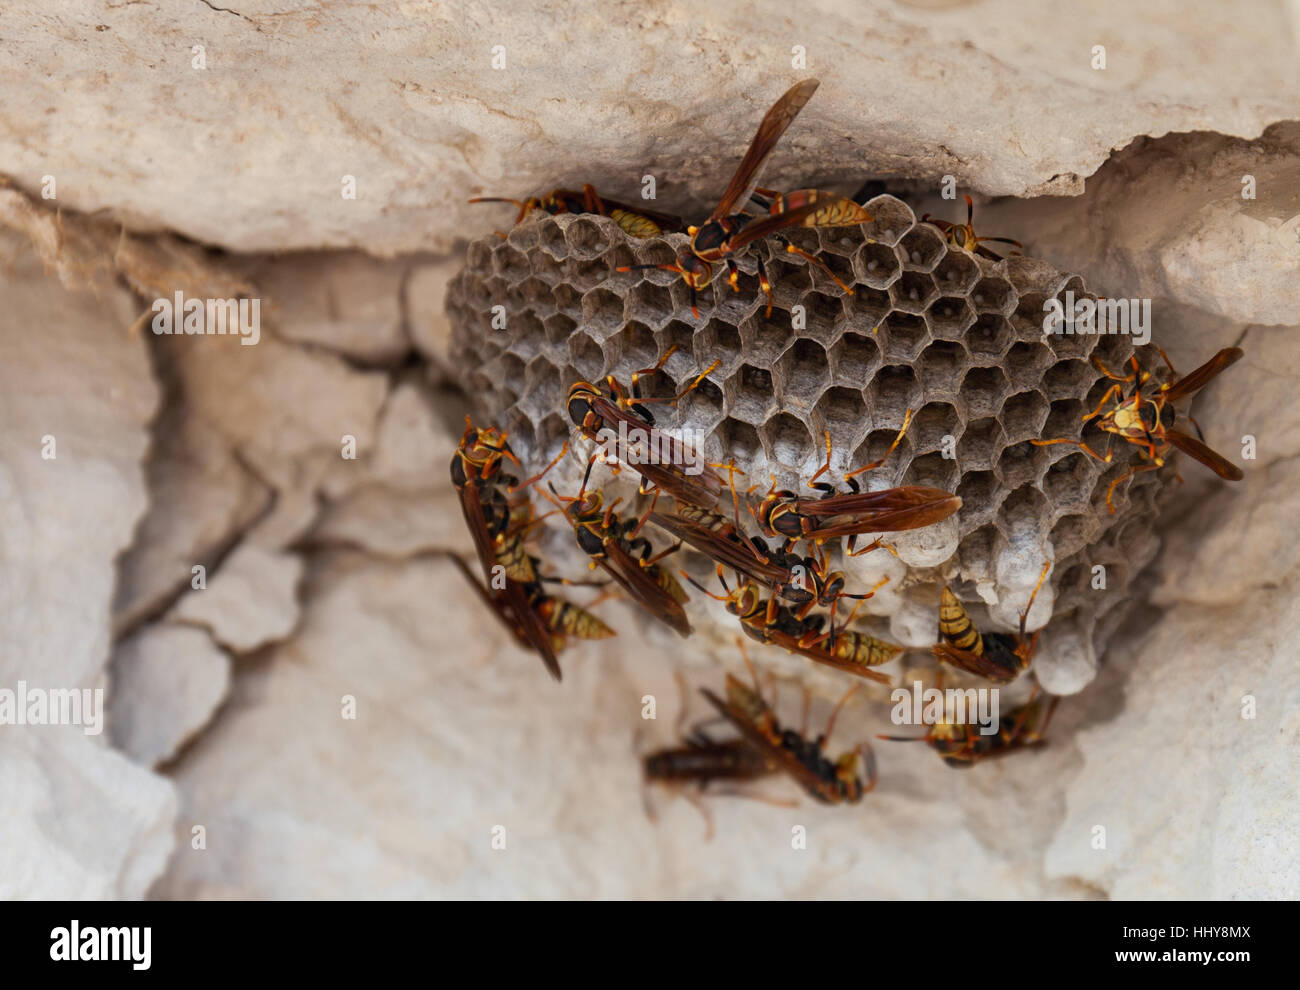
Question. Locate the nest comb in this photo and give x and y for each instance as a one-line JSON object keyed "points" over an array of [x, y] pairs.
{"points": [[930, 327]]}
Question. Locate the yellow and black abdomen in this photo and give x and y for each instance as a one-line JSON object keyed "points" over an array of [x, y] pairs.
{"points": [[955, 626]]}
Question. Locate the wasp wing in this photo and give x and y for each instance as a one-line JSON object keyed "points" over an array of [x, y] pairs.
{"points": [[674, 477], [1202, 376], [728, 553], [1213, 460], [638, 582]]}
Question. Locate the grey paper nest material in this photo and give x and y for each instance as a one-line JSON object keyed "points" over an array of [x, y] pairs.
{"points": [[957, 338]]}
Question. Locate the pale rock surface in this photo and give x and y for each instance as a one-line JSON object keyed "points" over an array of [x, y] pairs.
{"points": [[250, 600], [674, 90], [81, 821], [168, 680]]}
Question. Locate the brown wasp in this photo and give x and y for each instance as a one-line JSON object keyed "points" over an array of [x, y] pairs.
{"points": [[635, 221], [805, 760], [612, 543], [497, 525], [768, 621], [804, 581], [700, 760], [963, 235], [621, 419], [998, 657], [723, 237], [1147, 421], [785, 515], [962, 745]]}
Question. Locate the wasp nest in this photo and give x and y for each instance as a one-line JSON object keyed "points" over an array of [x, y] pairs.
{"points": [[930, 327]]}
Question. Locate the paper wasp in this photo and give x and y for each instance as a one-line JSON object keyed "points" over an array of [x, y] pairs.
{"points": [[699, 761], [724, 236], [998, 657], [612, 543], [634, 220], [1147, 421], [497, 524], [963, 235], [804, 581], [803, 759], [768, 621], [785, 515], [962, 745], [621, 418]]}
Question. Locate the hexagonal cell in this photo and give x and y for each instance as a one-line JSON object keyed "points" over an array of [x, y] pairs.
{"points": [[587, 356], [894, 391], [546, 268], [1022, 464], [978, 491], [765, 340], [913, 292], [993, 295], [634, 348], [567, 300], [1070, 534], [588, 238], [877, 265], [551, 239], [984, 389], [478, 256], [526, 334], [1029, 314], [750, 394], [803, 371], [922, 248], [949, 317], [1025, 509], [1067, 346], [509, 262], [508, 369], [934, 470], [904, 336], [890, 219], [980, 445], [652, 304], [1064, 419], [702, 406], [1023, 416], [822, 316], [956, 273], [552, 432], [1025, 363], [602, 313], [558, 328], [842, 411], [989, 337], [739, 439], [940, 366], [1112, 350], [786, 440], [1068, 483], [934, 427], [542, 387], [839, 265], [978, 545], [875, 448], [720, 341], [867, 308], [1068, 379], [681, 336], [854, 359]]}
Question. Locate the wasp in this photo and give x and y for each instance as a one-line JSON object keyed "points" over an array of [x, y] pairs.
{"points": [[962, 745], [1147, 421], [998, 657], [963, 235], [612, 544], [497, 524], [804, 581], [767, 621], [805, 760], [786, 515], [634, 220], [699, 761], [724, 236], [620, 419]]}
